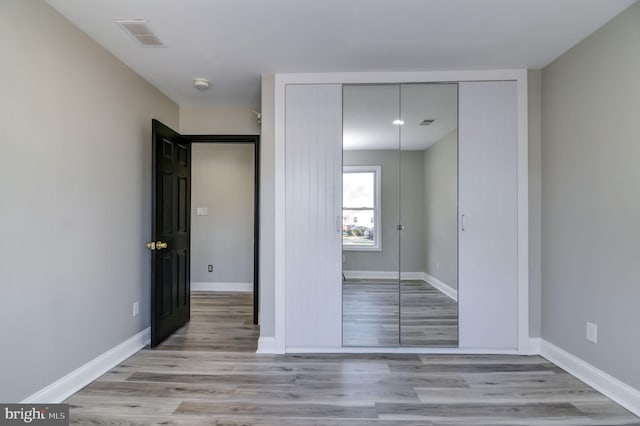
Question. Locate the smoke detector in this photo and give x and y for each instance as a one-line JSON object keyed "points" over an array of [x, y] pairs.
{"points": [[201, 83]]}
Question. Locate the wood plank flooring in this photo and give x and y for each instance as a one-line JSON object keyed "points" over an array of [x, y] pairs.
{"points": [[376, 313], [207, 374]]}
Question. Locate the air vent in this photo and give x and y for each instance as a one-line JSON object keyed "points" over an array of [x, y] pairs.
{"points": [[427, 121], [140, 31]]}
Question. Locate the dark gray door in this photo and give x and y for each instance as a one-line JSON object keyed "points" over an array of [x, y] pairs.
{"points": [[170, 280]]}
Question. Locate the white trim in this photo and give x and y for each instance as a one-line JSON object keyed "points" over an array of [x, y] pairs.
{"points": [[371, 275], [280, 83], [280, 221], [443, 287], [523, 209], [377, 206], [399, 350], [63, 388], [604, 383], [266, 345], [533, 348], [220, 286], [393, 275]]}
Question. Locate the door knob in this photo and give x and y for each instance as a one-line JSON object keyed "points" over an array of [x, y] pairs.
{"points": [[156, 245]]}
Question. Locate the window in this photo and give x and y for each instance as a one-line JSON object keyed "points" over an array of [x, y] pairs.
{"points": [[361, 208]]}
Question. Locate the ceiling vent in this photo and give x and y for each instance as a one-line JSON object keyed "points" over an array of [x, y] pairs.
{"points": [[139, 30], [427, 121]]}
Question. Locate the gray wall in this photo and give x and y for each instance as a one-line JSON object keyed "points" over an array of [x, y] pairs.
{"points": [[75, 179], [441, 210], [412, 211], [267, 209], [223, 182], [591, 199], [534, 97]]}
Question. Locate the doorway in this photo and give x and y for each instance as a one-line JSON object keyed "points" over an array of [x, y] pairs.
{"points": [[172, 225], [225, 214]]}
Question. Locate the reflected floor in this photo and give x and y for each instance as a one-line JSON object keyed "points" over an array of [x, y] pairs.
{"points": [[372, 314]]}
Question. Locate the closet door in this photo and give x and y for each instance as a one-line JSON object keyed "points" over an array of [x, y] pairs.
{"points": [[313, 192], [488, 215]]}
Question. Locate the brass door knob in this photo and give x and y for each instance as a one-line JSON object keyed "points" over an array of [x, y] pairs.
{"points": [[160, 245], [151, 246]]}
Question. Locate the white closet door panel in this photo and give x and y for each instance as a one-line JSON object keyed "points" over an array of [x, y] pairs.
{"points": [[488, 204], [313, 284]]}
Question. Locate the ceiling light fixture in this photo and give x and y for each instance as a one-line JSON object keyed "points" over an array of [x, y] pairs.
{"points": [[201, 83], [398, 122]]}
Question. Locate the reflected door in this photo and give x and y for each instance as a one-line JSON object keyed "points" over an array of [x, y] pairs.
{"points": [[371, 178], [429, 215], [399, 217]]}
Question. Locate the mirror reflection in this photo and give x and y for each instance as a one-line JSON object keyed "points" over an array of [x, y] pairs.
{"points": [[400, 215]]}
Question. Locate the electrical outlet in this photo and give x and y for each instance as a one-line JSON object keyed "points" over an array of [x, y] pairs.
{"points": [[136, 308], [210, 268], [437, 265], [592, 332]]}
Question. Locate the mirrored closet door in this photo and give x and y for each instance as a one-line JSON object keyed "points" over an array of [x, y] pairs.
{"points": [[400, 215]]}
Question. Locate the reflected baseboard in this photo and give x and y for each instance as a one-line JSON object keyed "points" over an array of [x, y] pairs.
{"points": [[443, 287], [393, 275]]}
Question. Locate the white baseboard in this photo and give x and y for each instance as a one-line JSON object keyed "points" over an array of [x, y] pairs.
{"points": [[397, 350], [392, 275], [533, 348], [608, 385], [218, 286], [443, 287], [266, 345], [63, 388], [371, 275]]}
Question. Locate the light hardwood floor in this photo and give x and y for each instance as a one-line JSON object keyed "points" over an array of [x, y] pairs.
{"points": [[207, 374], [381, 313]]}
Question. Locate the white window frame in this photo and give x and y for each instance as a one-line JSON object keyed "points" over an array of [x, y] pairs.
{"points": [[377, 207]]}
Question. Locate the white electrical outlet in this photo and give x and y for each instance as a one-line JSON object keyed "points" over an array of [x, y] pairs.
{"points": [[592, 332], [136, 308], [437, 265]]}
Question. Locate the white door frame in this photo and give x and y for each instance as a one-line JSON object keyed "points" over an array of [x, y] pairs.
{"points": [[518, 75]]}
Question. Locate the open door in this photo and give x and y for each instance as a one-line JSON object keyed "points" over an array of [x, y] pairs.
{"points": [[171, 228]]}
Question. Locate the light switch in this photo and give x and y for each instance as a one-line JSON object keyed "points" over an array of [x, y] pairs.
{"points": [[202, 211]]}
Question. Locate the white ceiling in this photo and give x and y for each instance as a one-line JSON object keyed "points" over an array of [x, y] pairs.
{"points": [[369, 112], [233, 42]]}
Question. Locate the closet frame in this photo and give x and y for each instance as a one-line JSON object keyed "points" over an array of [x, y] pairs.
{"points": [[525, 344]]}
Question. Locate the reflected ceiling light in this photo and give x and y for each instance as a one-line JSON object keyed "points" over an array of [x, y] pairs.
{"points": [[398, 122]]}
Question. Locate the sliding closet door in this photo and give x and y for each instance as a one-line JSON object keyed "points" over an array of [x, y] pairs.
{"points": [[314, 222], [488, 215]]}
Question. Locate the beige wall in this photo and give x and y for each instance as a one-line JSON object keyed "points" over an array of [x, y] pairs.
{"points": [[218, 120], [75, 179], [591, 198]]}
